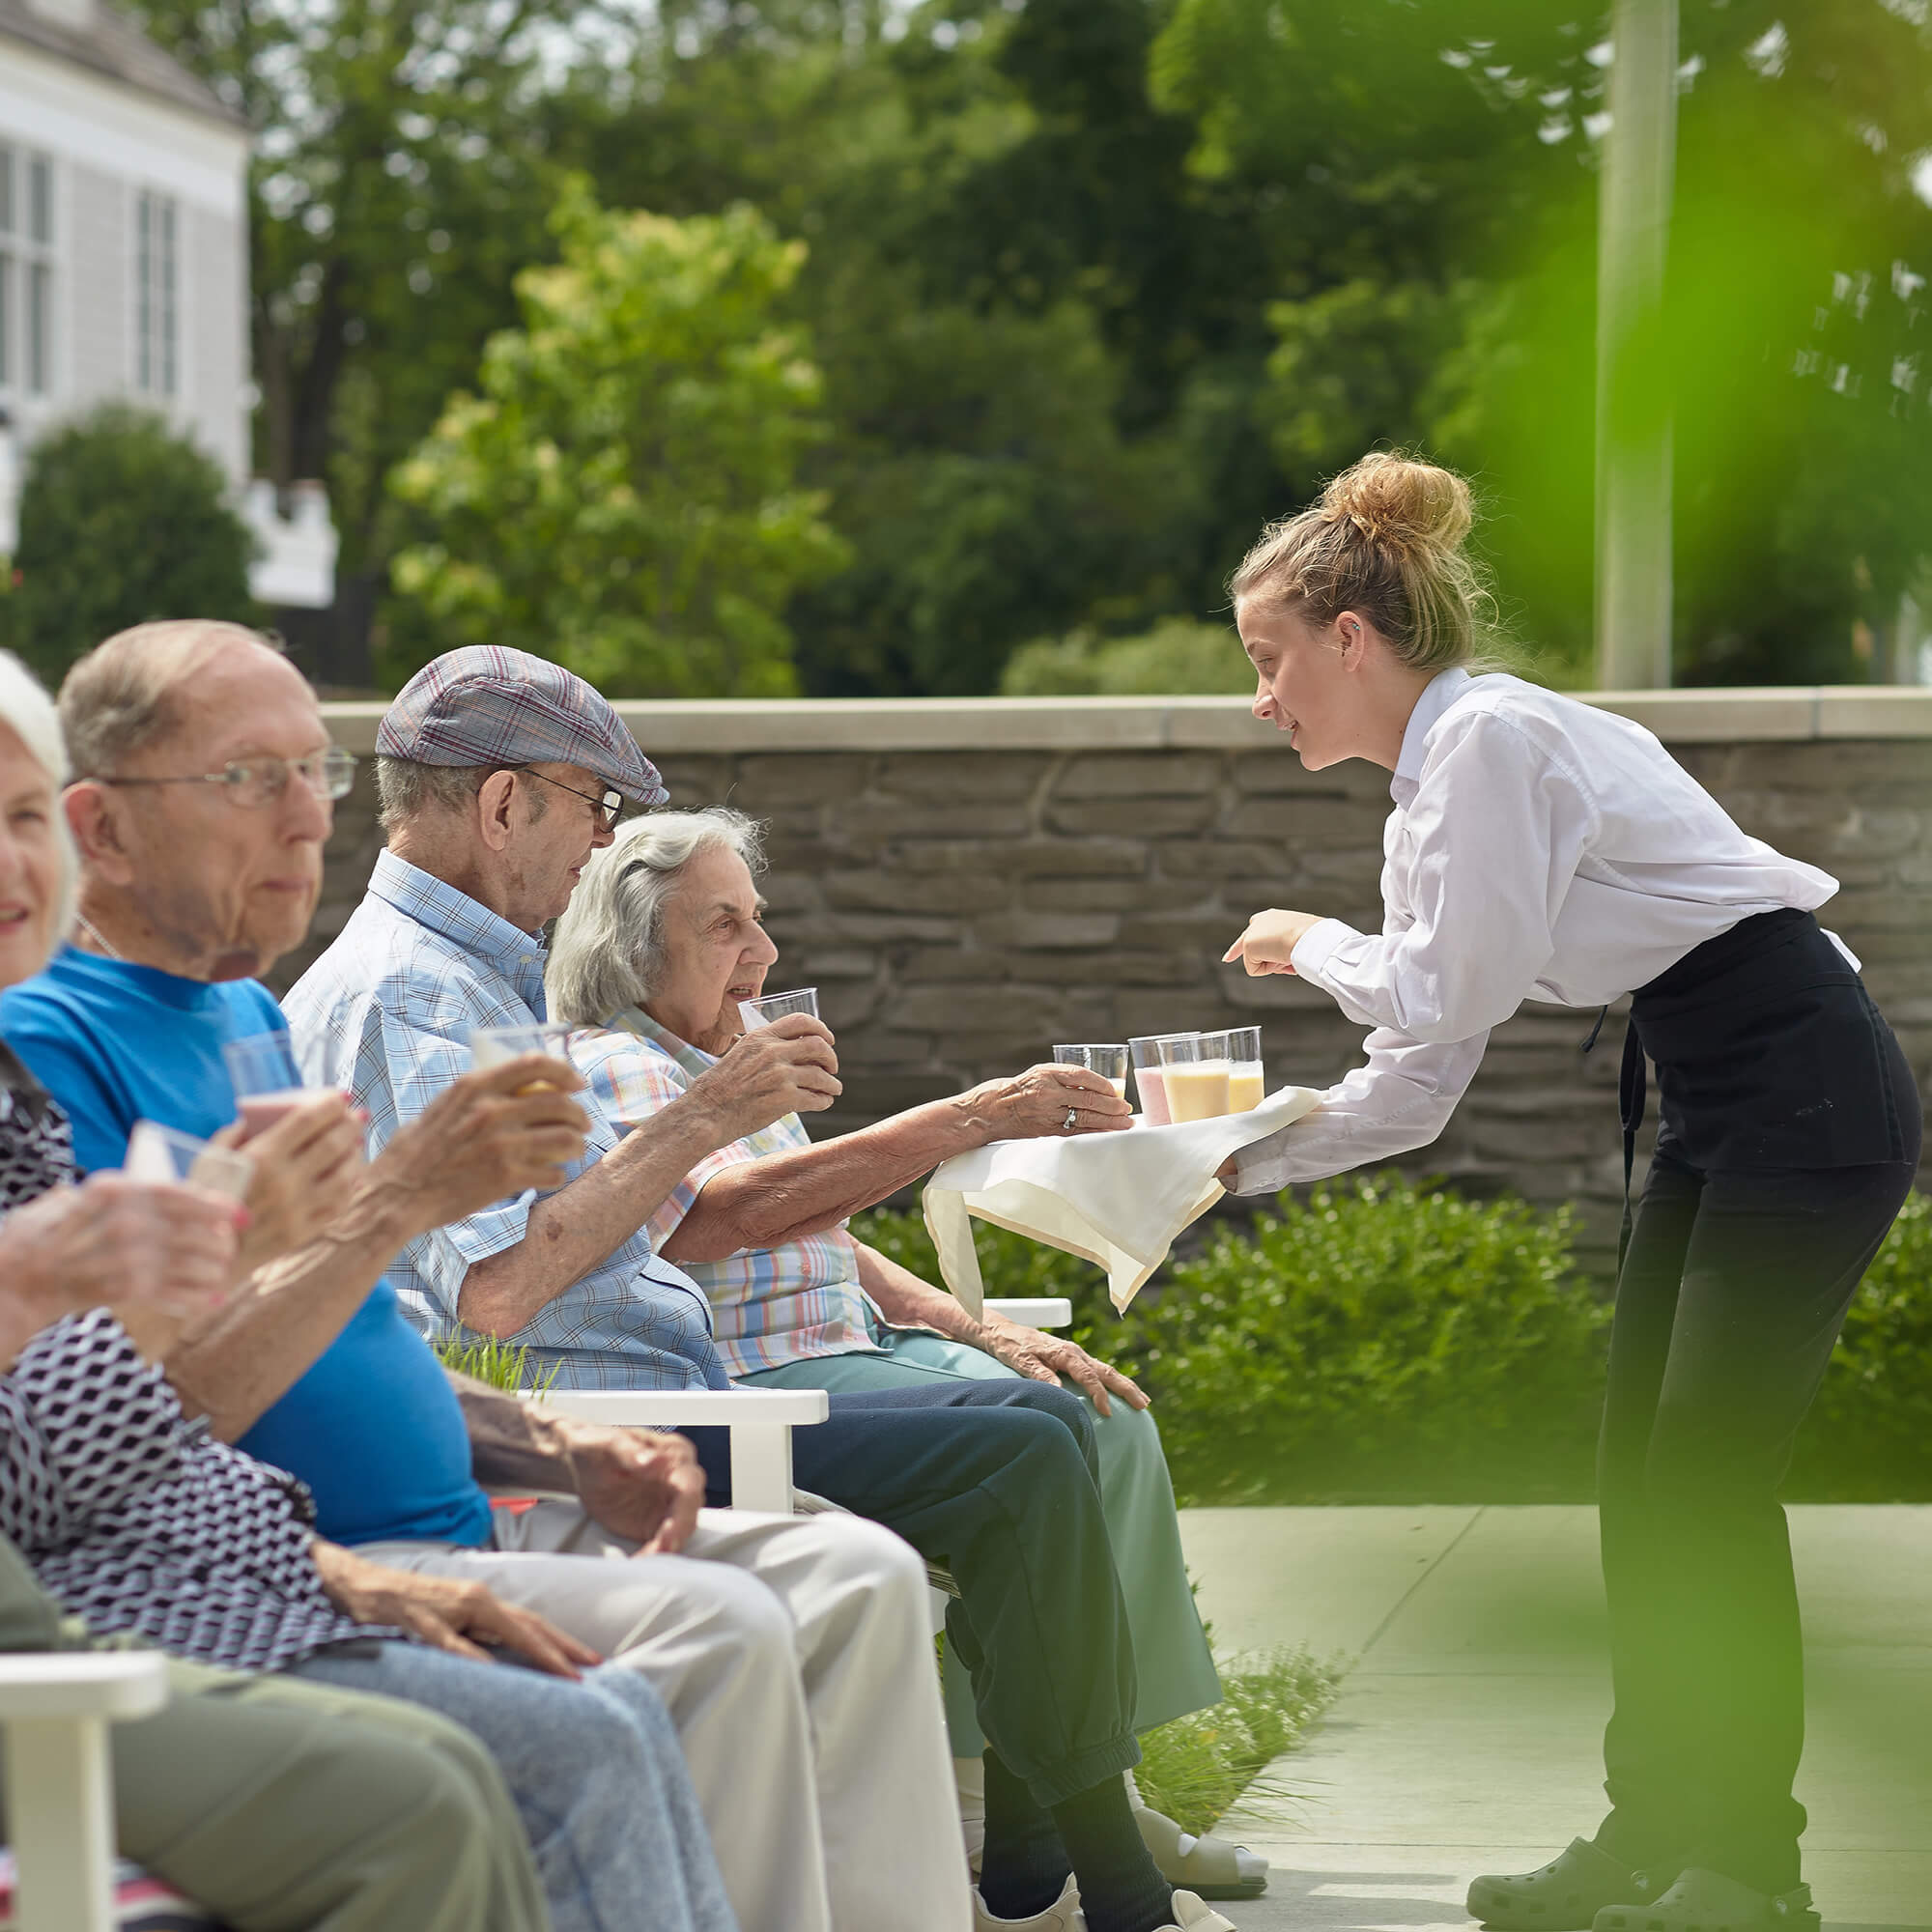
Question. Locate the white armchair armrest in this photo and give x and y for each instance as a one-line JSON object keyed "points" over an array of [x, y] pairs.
{"points": [[1046, 1311], [56, 1706], [760, 1421]]}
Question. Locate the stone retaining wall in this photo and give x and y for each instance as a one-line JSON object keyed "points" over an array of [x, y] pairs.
{"points": [[969, 881]]}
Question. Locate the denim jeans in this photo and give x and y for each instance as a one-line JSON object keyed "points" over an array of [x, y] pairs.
{"points": [[596, 1773]]}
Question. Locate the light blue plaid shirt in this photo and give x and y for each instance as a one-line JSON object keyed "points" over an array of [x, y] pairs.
{"points": [[387, 1011]]}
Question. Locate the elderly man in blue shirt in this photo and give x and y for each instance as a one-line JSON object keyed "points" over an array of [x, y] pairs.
{"points": [[499, 775], [794, 1655]]}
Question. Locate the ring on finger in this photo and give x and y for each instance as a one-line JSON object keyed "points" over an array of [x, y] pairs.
{"points": [[1071, 1121]]}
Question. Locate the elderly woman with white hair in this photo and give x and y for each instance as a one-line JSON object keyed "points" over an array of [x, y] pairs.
{"points": [[663, 939]]}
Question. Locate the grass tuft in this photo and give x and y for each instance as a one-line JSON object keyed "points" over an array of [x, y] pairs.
{"points": [[1196, 1767], [483, 1358]]}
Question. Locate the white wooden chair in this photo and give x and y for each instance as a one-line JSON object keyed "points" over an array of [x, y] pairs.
{"points": [[55, 1706], [760, 1420]]}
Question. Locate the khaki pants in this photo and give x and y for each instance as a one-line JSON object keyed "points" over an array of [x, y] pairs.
{"points": [[284, 1808]]}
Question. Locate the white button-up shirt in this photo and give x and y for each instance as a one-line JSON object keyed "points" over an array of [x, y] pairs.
{"points": [[1539, 849]]}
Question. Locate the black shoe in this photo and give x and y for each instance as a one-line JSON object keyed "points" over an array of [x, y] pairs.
{"points": [[1706, 1901], [1565, 1896]]}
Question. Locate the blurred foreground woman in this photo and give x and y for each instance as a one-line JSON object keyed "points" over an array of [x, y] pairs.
{"points": [[1543, 849]]}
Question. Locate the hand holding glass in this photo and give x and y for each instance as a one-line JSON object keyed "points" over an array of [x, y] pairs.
{"points": [[164, 1154], [756, 1013], [1110, 1063], [499, 1045]]}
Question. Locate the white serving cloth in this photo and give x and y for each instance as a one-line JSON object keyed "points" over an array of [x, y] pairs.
{"points": [[1117, 1199]]}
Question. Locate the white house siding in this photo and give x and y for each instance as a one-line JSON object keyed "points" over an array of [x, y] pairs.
{"points": [[109, 142], [92, 287], [214, 349]]}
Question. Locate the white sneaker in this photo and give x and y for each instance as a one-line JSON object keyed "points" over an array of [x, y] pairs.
{"points": [[1064, 1915], [1196, 1916]]}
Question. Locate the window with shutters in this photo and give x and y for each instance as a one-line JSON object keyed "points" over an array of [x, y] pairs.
{"points": [[156, 295], [28, 289]]}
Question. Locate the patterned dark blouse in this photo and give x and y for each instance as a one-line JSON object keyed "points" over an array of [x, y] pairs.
{"points": [[137, 1519]]}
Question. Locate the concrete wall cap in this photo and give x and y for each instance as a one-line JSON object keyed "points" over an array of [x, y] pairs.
{"points": [[671, 727]]}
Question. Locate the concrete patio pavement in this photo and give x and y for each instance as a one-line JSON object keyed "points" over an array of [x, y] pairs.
{"points": [[1466, 1737]]}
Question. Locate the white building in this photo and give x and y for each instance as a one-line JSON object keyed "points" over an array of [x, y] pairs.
{"points": [[124, 255]]}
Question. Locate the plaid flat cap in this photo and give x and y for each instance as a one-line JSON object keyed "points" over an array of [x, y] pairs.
{"points": [[486, 706]]}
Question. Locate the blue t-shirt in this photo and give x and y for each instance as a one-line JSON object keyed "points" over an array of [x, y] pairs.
{"points": [[374, 1428]]}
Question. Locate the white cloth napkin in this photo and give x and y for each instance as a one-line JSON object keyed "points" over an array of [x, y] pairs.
{"points": [[1117, 1199]]}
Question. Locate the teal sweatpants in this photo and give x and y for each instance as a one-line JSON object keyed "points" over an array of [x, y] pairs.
{"points": [[1176, 1672]]}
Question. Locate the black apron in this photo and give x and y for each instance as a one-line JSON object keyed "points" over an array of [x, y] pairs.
{"points": [[1768, 1054]]}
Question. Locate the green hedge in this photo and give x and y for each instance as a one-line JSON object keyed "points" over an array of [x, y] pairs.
{"points": [[1381, 1342]]}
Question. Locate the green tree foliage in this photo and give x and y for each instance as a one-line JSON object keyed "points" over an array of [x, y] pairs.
{"points": [[397, 186], [623, 495], [121, 519], [1099, 286], [1446, 246], [1176, 656]]}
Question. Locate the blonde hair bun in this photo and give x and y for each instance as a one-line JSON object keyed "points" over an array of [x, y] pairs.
{"points": [[1396, 499], [1387, 541]]}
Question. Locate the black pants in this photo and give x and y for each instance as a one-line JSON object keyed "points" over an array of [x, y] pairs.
{"points": [[1731, 1296], [999, 1482]]}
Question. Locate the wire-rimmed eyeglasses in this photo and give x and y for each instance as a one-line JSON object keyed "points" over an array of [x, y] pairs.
{"points": [[253, 782], [609, 806]]}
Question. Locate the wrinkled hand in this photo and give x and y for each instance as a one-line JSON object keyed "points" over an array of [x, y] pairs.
{"points": [[448, 1611], [486, 1136], [306, 1167], [1269, 944], [639, 1485], [121, 1241], [1037, 1102], [1046, 1358], [787, 1068]]}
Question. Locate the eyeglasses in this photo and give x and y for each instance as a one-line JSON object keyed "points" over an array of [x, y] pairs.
{"points": [[253, 782], [609, 806]]}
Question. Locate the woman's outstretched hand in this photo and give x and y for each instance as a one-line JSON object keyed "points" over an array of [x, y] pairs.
{"points": [[1269, 944], [1043, 1099]]}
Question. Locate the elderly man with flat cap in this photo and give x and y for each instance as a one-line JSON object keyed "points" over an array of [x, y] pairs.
{"points": [[793, 1654], [498, 774]]}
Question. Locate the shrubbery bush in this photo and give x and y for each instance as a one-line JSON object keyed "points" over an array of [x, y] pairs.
{"points": [[1379, 1340], [1868, 1438], [121, 519]]}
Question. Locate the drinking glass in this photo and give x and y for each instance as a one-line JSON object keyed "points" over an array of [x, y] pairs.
{"points": [[1148, 1078], [1110, 1063], [1245, 1084], [158, 1153], [267, 1081], [756, 1013], [1194, 1074], [496, 1046]]}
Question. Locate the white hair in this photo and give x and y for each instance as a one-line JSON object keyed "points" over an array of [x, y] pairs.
{"points": [[608, 950], [27, 710]]}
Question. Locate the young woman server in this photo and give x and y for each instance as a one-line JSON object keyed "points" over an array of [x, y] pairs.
{"points": [[1543, 849]]}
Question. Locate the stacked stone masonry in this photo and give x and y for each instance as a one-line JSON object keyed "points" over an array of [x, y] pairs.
{"points": [[976, 883]]}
